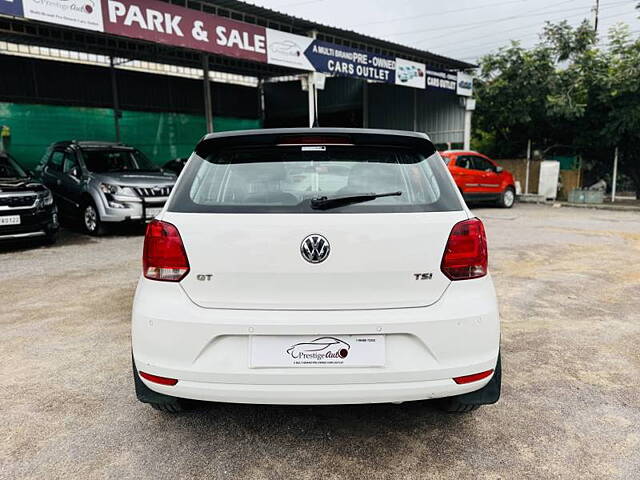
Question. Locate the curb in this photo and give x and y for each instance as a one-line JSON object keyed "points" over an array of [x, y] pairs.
{"points": [[599, 206]]}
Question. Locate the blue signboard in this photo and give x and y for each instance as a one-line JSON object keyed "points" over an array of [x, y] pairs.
{"points": [[11, 7], [349, 62]]}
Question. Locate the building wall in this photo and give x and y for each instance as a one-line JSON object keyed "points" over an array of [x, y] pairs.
{"points": [[44, 101], [440, 115], [160, 135], [341, 104]]}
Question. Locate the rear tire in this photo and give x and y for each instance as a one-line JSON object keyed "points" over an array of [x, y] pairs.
{"points": [[471, 401], [51, 237], [507, 198], [451, 405], [174, 407]]}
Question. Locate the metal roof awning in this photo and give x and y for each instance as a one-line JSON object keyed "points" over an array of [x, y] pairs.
{"points": [[33, 31]]}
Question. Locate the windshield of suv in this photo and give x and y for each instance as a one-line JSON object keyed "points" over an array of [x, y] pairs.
{"points": [[9, 168], [117, 160], [299, 179]]}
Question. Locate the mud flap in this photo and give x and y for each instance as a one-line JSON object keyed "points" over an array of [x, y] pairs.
{"points": [[144, 393]]}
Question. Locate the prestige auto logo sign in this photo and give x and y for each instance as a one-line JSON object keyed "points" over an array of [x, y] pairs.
{"points": [[86, 14], [320, 350]]}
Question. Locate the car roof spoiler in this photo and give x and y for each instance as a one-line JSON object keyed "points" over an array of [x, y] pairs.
{"points": [[214, 142]]}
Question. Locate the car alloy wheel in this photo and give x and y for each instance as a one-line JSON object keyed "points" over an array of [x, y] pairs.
{"points": [[90, 218], [509, 198]]}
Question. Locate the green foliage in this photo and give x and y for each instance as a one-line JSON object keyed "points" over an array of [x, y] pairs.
{"points": [[565, 90]]}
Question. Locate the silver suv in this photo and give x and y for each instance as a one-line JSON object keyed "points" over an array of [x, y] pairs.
{"points": [[104, 182]]}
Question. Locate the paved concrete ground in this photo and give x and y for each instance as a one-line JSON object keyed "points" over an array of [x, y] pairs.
{"points": [[568, 281]]}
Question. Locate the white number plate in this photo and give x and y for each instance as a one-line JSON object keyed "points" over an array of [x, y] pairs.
{"points": [[152, 212], [10, 220], [317, 351]]}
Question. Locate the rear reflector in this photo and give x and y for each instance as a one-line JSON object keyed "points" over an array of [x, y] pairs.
{"points": [[465, 256], [164, 257], [315, 140], [472, 378], [156, 379]]}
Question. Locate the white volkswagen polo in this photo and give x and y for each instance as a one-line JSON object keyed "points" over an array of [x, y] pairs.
{"points": [[316, 266]]}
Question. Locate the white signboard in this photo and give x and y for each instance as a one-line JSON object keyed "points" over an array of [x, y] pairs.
{"points": [[410, 74], [317, 351], [287, 49], [86, 14], [465, 84]]}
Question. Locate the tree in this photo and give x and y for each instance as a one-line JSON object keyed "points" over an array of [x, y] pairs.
{"points": [[617, 101], [565, 90]]}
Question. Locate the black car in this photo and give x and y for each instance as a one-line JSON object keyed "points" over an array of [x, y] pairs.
{"points": [[26, 206]]}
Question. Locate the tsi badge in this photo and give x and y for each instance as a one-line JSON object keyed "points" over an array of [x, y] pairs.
{"points": [[423, 276]]}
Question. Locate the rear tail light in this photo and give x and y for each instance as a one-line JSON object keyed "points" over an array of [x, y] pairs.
{"points": [[157, 379], [466, 255], [164, 257], [472, 378]]}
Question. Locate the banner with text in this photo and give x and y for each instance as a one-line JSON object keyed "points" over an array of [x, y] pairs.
{"points": [[169, 24], [173, 25], [11, 7], [348, 62]]}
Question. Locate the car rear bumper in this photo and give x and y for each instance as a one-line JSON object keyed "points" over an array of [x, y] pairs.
{"points": [[207, 350]]}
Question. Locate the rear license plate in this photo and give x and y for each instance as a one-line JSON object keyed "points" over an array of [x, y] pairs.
{"points": [[317, 351], [10, 220], [152, 212]]}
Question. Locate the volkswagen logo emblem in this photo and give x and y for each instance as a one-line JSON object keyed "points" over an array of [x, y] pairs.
{"points": [[315, 248]]}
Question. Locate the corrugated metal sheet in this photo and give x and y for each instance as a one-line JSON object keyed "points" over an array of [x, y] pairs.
{"points": [[286, 103], [438, 114], [441, 116], [162, 136], [29, 80], [390, 106]]}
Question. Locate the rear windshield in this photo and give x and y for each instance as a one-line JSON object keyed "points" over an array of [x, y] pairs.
{"points": [[287, 179], [117, 160]]}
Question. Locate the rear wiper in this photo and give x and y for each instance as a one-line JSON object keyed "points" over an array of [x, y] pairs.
{"points": [[325, 203]]}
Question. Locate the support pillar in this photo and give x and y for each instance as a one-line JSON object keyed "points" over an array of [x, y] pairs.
{"points": [[311, 96], [208, 110], [115, 102], [614, 182], [365, 104], [469, 107]]}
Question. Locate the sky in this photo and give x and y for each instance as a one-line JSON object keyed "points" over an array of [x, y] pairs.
{"points": [[461, 29]]}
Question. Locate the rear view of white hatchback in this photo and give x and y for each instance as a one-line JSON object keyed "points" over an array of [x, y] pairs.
{"points": [[316, 266]]}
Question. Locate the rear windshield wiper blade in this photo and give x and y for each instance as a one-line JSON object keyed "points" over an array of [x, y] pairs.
{"points": [[325, 203]]}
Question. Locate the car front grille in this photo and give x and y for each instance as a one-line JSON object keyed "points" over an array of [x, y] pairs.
{"points": [[18, 201], [153, 191]]}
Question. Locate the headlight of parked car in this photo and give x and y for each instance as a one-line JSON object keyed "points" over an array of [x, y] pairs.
{"points": [[108, 188], [117, 190], [46, 198]]}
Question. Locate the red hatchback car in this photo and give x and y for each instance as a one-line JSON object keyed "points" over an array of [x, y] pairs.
{"points": [[479, 178]]}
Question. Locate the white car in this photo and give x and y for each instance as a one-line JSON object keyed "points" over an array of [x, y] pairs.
{"points": [[316, 266]]}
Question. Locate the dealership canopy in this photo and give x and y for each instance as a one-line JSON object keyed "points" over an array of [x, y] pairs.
{"points": [[243, 39]]}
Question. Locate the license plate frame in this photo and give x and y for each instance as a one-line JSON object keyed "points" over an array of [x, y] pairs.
{"points": [[317, 351], [152, 212], [6, 220]]}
